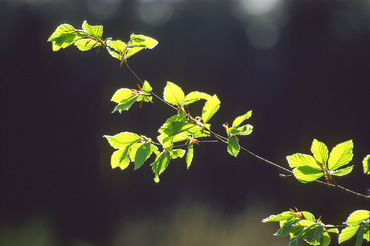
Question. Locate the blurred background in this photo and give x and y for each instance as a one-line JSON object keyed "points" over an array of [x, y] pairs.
{"points": [[301, 66]]}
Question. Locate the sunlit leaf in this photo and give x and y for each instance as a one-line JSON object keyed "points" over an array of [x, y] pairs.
{"points": [[242, 130], [347, 233], [340, 155], [126, 105], [177, 153], [300, 160], [96, 31], [279, 217], [358, 217], [195, 96], [122, 140], [210, 108], [120, 158], [286, 227], [343, 171], [189, 155], [173, 94], [309, 216], [366, 164], [307, 174], [86, 44], [146, 87], [233, 146], [64, 36], [121, 95], [160, 164], [320, 151], [240, 119], [116, 48], [139, 42]]}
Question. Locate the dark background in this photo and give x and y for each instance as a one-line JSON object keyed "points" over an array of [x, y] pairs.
{"points": [[301, 66]]}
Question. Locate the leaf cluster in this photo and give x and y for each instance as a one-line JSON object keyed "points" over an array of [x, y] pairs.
{"points": [[303, 225]]}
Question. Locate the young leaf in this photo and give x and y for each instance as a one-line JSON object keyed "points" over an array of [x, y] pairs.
{"points": [[279, 217], [122, 140], [240, 119], [340, 155], [363, 233], [189, 155], [320, 151], [325, 240], [177, 153], [242, 130], [210, 108], [347, 233], [366, 164], [343, 171], [160, 164], [64, 36], [307, 174], [301, 160], [125, 105], [122, 95], [146, 87], [357, 217], [120, 158], [116, 48], [139, 42], [195, 96], [309, 216], [142, 153], [86, 44], [173, 94], [233, 146], [95, 31]]}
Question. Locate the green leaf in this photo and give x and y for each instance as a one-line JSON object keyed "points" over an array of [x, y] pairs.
{"points": [[189, 155], [146, 87], [64, 36], [195, 96], [122, 95], [142, 153], [320, 151], [96, 31], [343, 171], [116, 48], [242, 130], [279, 217], [126, 105], [347, 233], [286, 227], [86, 44], [312, 234], [301, 160], [363, 233], [122, 140], [325, 240], [309, 216], [233, 146], [340, 155], [120, 158], [160, 164], [366, 164], [307, 174], [240, 119], [177, 153], [357, 217], [143, 41], [210, 108], [138, 42], [173, 94]]}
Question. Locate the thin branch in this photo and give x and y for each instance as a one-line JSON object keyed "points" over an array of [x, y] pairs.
{"points": [[224, 140]]}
